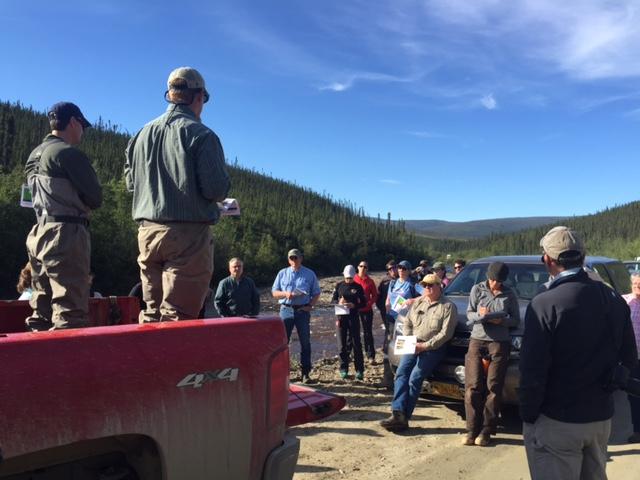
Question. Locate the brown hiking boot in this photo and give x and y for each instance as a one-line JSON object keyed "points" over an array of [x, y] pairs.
{"points": [[397, 422]]}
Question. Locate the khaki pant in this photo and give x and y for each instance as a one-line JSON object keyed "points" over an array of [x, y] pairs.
{"points": [[60, 255], [566, 451], [176, 264]]}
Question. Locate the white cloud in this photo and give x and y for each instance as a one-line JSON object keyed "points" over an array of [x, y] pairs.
{"points": [[489, 102], [453, 51], [352, 79], [427, 134]]}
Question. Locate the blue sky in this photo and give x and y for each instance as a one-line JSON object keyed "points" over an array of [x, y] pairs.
{"points": [[448, 109]]}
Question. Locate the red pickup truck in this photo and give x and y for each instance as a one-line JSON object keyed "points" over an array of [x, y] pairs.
{"points": [[181, 400]]}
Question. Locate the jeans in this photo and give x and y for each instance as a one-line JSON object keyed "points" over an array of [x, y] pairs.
{"points": [[367, 332], [483, 394], [349, 337], [412, 371], [300, 319]]}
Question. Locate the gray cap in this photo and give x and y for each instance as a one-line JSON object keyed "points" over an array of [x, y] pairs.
{"points": [[186, 77], [405, 264], [189, 76], [439, 266], [294, 252], [561, 239]]}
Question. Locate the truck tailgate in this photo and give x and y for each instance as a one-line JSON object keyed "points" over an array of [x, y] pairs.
{"points": [[309, 405]]}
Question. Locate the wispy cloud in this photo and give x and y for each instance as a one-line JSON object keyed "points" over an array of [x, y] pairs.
{"points": [[634, 114], [350, 80], [427, 134], [489, 102], [453, 51], [390, 181]]}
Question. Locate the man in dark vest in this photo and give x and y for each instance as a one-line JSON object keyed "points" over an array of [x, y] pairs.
{"points": [[65, 189]]}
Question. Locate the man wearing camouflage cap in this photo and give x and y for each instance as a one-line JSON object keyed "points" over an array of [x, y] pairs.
{"points": [[65, 189], [576, 333], [175, 168]]}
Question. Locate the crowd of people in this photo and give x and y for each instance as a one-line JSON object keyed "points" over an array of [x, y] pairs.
{"points": [[578, 332]]}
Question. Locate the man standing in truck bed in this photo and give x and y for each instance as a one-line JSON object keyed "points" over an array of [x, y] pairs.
{"points": [[65, 189], [175, 169]]}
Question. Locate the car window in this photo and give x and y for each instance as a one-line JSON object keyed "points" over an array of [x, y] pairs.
{"points": [[525, 279], [620, 277], [603, 273]]}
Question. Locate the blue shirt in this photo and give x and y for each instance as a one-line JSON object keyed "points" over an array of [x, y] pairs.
{"points": [[304, 281]]}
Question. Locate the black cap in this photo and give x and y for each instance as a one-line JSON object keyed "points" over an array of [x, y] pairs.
{"points": [[63, 111], [497, 271]]}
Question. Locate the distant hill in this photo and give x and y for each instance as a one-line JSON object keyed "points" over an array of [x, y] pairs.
{"points": [[613, 232], [475, 228]]}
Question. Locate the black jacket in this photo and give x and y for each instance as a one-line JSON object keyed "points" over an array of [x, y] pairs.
{"points": [[575, 333], [352, 293]]}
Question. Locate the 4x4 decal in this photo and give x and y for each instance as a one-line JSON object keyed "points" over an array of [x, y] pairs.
{"points": [[196, 380]]}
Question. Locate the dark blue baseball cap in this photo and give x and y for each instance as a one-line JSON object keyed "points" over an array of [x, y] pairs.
{"points": [[63, 111]]}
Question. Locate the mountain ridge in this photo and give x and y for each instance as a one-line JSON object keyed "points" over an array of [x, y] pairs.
{"points": [[444, 229]]}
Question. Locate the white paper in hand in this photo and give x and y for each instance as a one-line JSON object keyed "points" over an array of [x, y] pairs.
{"points": [[341, 310], [405, 344], [399, 304], [229, 207]]}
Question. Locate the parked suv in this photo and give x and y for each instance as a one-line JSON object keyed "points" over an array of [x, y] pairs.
{"points": [[527, 276]]}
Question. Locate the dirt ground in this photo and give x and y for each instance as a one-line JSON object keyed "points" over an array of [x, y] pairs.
{"points": [[351, 444]]}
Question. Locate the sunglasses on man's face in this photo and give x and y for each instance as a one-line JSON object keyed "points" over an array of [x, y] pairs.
{"points": [[293, 257], [362, 266], [458, 267], [401, 268]]}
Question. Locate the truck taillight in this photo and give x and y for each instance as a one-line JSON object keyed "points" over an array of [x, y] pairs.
{"points": [[278, 395]]}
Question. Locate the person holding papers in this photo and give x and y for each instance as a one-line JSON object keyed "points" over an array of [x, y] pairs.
{"points": [[349, 298], [297, 290], [493, 309], [401, 293], [431, 322]]}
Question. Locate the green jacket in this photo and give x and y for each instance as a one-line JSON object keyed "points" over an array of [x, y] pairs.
{"points": [[175, 168], [237, 298]]}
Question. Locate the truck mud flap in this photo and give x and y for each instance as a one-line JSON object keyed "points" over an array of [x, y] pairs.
{"points": [[309, 405], [281, 462]]}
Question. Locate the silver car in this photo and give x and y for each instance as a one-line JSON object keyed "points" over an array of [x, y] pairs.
{"points": [[527, 276]]}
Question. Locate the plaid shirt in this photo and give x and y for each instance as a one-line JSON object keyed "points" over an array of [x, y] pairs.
{"points": [[634, 305]]}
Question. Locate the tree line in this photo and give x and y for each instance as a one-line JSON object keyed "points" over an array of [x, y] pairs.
{"points": [[276, 216]]}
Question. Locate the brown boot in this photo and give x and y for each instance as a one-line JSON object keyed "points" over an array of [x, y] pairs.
{"points": [[397, 422]]}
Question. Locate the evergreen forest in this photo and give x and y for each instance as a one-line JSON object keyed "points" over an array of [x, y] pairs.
{"points": [[276, 216]]}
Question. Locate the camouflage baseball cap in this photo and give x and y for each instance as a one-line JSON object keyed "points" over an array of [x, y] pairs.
{"points": [[561, 239]]}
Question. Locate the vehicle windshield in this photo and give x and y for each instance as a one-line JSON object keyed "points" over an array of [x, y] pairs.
{"points": [[526, 279]]}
